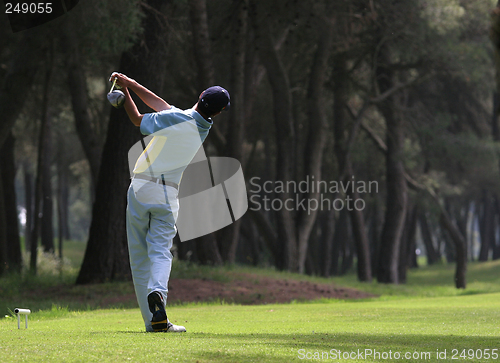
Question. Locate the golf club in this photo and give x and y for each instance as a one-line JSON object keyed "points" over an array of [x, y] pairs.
{"points": [[115, 96]]}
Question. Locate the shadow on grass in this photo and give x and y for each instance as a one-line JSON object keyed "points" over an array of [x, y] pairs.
{"points": [[334, 346], [365, 347]]}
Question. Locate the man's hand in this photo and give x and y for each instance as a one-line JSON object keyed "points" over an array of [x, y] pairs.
{"points": [[148, 97], [121, 80], [125, 82]]}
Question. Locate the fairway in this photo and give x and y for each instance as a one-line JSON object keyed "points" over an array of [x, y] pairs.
{"points": [[418, 328], [288, 181]]}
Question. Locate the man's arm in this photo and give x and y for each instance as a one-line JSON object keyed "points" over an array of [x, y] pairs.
{"points": [[131, 109], [152, 100]]}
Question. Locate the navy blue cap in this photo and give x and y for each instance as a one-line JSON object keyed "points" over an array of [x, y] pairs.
{"points": [[214, 99]]}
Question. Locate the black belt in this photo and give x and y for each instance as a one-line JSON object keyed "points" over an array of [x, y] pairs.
{"points": [[156, 180]]}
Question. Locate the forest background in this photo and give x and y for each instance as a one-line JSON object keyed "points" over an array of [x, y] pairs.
{"points": [[394, 102]]}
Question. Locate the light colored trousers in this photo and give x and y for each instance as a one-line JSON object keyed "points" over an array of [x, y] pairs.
{"points": [[152, 210]]}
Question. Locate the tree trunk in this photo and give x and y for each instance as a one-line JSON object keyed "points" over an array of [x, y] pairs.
{"points": [[38, 201], [364, 269], [487, 226], [62, 205], [47, 227], [329, 228], [340, 237], [267, 233], [283, 120], [395, 205], [18, 80], [236, 126], [64, 198], [208, 251], [495, 38], [312, 264], [396, 197], [431, 253], [460, 248], [201, 43], [60, 228], [317, 135], [496, 247], [13, 93], [28, 201], [376, 222], [106, 257], [63, 162], [407, 246], [3, 233], [340, 95], [208, 247], [449, 247], [347, 251], [251, 246], [10, 240], [77, 87]]}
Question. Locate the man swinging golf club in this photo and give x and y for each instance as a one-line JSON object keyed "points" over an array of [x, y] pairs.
{"points": [[152, 196]]}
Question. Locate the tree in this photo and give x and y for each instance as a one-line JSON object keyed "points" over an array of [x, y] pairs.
{"points": [[238, 118], [317, 130], [396, 193], [106, 256], [42, 161], [77, 85], [418, 84], [432, 253], [19, 78], [14, 89], [283, 120], [207, 248], [461, 249], [346, 171], [10, 245]]}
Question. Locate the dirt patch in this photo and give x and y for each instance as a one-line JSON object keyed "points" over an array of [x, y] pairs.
{"points": [[246, 289], [252, 290]]}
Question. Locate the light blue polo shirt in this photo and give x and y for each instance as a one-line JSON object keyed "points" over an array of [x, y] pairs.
{"points": [[178, 134]]}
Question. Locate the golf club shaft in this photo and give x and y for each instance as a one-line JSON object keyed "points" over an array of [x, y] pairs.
{"points": [[113, 85]]}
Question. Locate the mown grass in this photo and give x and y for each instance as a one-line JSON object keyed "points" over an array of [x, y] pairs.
{"points": [[425, 316], [266, 333], [54, 285]]}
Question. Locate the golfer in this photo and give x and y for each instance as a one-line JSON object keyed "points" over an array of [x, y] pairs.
{"points": [[152, 196]]}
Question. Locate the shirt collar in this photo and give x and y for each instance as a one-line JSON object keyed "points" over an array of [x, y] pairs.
{"points": [[199, 118]]}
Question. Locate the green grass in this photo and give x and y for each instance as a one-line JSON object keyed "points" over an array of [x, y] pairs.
{"points": [[266, 333], [438, 280], [55, 284], [426, 315], [74, 252]]}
